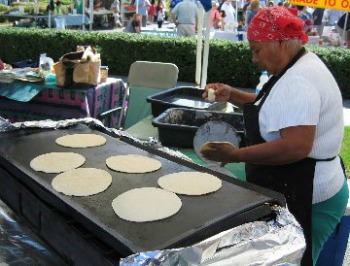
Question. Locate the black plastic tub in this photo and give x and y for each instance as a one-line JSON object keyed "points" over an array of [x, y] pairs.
{"points": [[185, 97], [177, 126]]}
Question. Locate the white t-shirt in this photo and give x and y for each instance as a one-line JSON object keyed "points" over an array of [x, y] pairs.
{"points": [[307, 94], [229, 12]]}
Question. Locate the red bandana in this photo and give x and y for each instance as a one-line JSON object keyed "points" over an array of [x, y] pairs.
{"points": [[276, 24]]}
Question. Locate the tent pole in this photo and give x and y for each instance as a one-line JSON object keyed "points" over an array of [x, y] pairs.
{"points": [[199, 44], [206, 49], [344, 30]]}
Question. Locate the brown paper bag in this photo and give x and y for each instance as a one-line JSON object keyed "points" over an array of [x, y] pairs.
{"points": [[71, 70]]}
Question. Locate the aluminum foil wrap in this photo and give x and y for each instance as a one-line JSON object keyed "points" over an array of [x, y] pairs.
{"points": [[276, 242], [19, 245]]}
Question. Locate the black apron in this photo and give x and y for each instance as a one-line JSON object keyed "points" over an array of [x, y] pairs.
{"points": [[294, 180]]}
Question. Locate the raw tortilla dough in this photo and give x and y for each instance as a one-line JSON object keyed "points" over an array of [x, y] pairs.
{"points": [[146, 204], [81, 140], [133, 163], [82, 182], [190, 183], [57, 162], [211, 95]]}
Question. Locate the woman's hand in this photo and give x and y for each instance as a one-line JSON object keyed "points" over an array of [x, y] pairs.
{"points": [[222, 92], [223, 152]]}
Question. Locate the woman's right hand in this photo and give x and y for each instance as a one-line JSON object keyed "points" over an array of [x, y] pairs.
{"points": [[222, 92]]}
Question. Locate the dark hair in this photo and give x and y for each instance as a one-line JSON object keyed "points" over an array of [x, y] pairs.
{"points": [[222, 13]]}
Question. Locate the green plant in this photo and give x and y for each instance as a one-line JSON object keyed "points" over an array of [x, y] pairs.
{"points": [[229, 62], [4, 8], [345, 150]]}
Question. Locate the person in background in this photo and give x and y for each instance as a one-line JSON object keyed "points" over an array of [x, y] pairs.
{"points": [[59, 9], [78, 6], [240, 18], [51, 6], [317, 20], [172, 4], [215, 17], [252, 10], [280, 4], [334, 16], [270, 4], [229, 20], [223, 15], [341, 26], [306, 17], [286, 4], [134, 24], [325, 18], [142, 8], [293, 127], [115, 7], [160, 13], [185, 16], [152, 12]]}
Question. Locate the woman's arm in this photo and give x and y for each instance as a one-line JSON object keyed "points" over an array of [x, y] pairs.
{"points": [[226, 93], [295, 144]]}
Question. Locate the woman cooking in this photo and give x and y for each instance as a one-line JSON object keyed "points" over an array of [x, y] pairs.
{"points": [[294, 127]]}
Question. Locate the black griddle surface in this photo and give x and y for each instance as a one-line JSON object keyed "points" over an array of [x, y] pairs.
{"points": [[200, 216]]}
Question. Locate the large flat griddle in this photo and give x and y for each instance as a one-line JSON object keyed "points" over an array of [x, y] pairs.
{"points": [[200, 217]]}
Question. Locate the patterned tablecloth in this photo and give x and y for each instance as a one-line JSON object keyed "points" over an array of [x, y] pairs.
{"points": [[57, 103]]}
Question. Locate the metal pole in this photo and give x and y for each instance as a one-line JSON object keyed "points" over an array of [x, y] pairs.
{"points": [[91, 13], [199, 44], [206, 49], [344, 30], [49, 22]]}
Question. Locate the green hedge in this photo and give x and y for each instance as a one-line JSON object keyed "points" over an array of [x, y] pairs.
{"points": [[229, 62]]}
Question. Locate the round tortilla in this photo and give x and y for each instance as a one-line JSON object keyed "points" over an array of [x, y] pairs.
{"points": [[133, 164], [205, 146], [57, 162], [146, 204], [81, 140], [82, 182], [190, 183]]}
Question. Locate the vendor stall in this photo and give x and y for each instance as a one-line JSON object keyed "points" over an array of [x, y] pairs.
{"points": [[22, 101]]}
